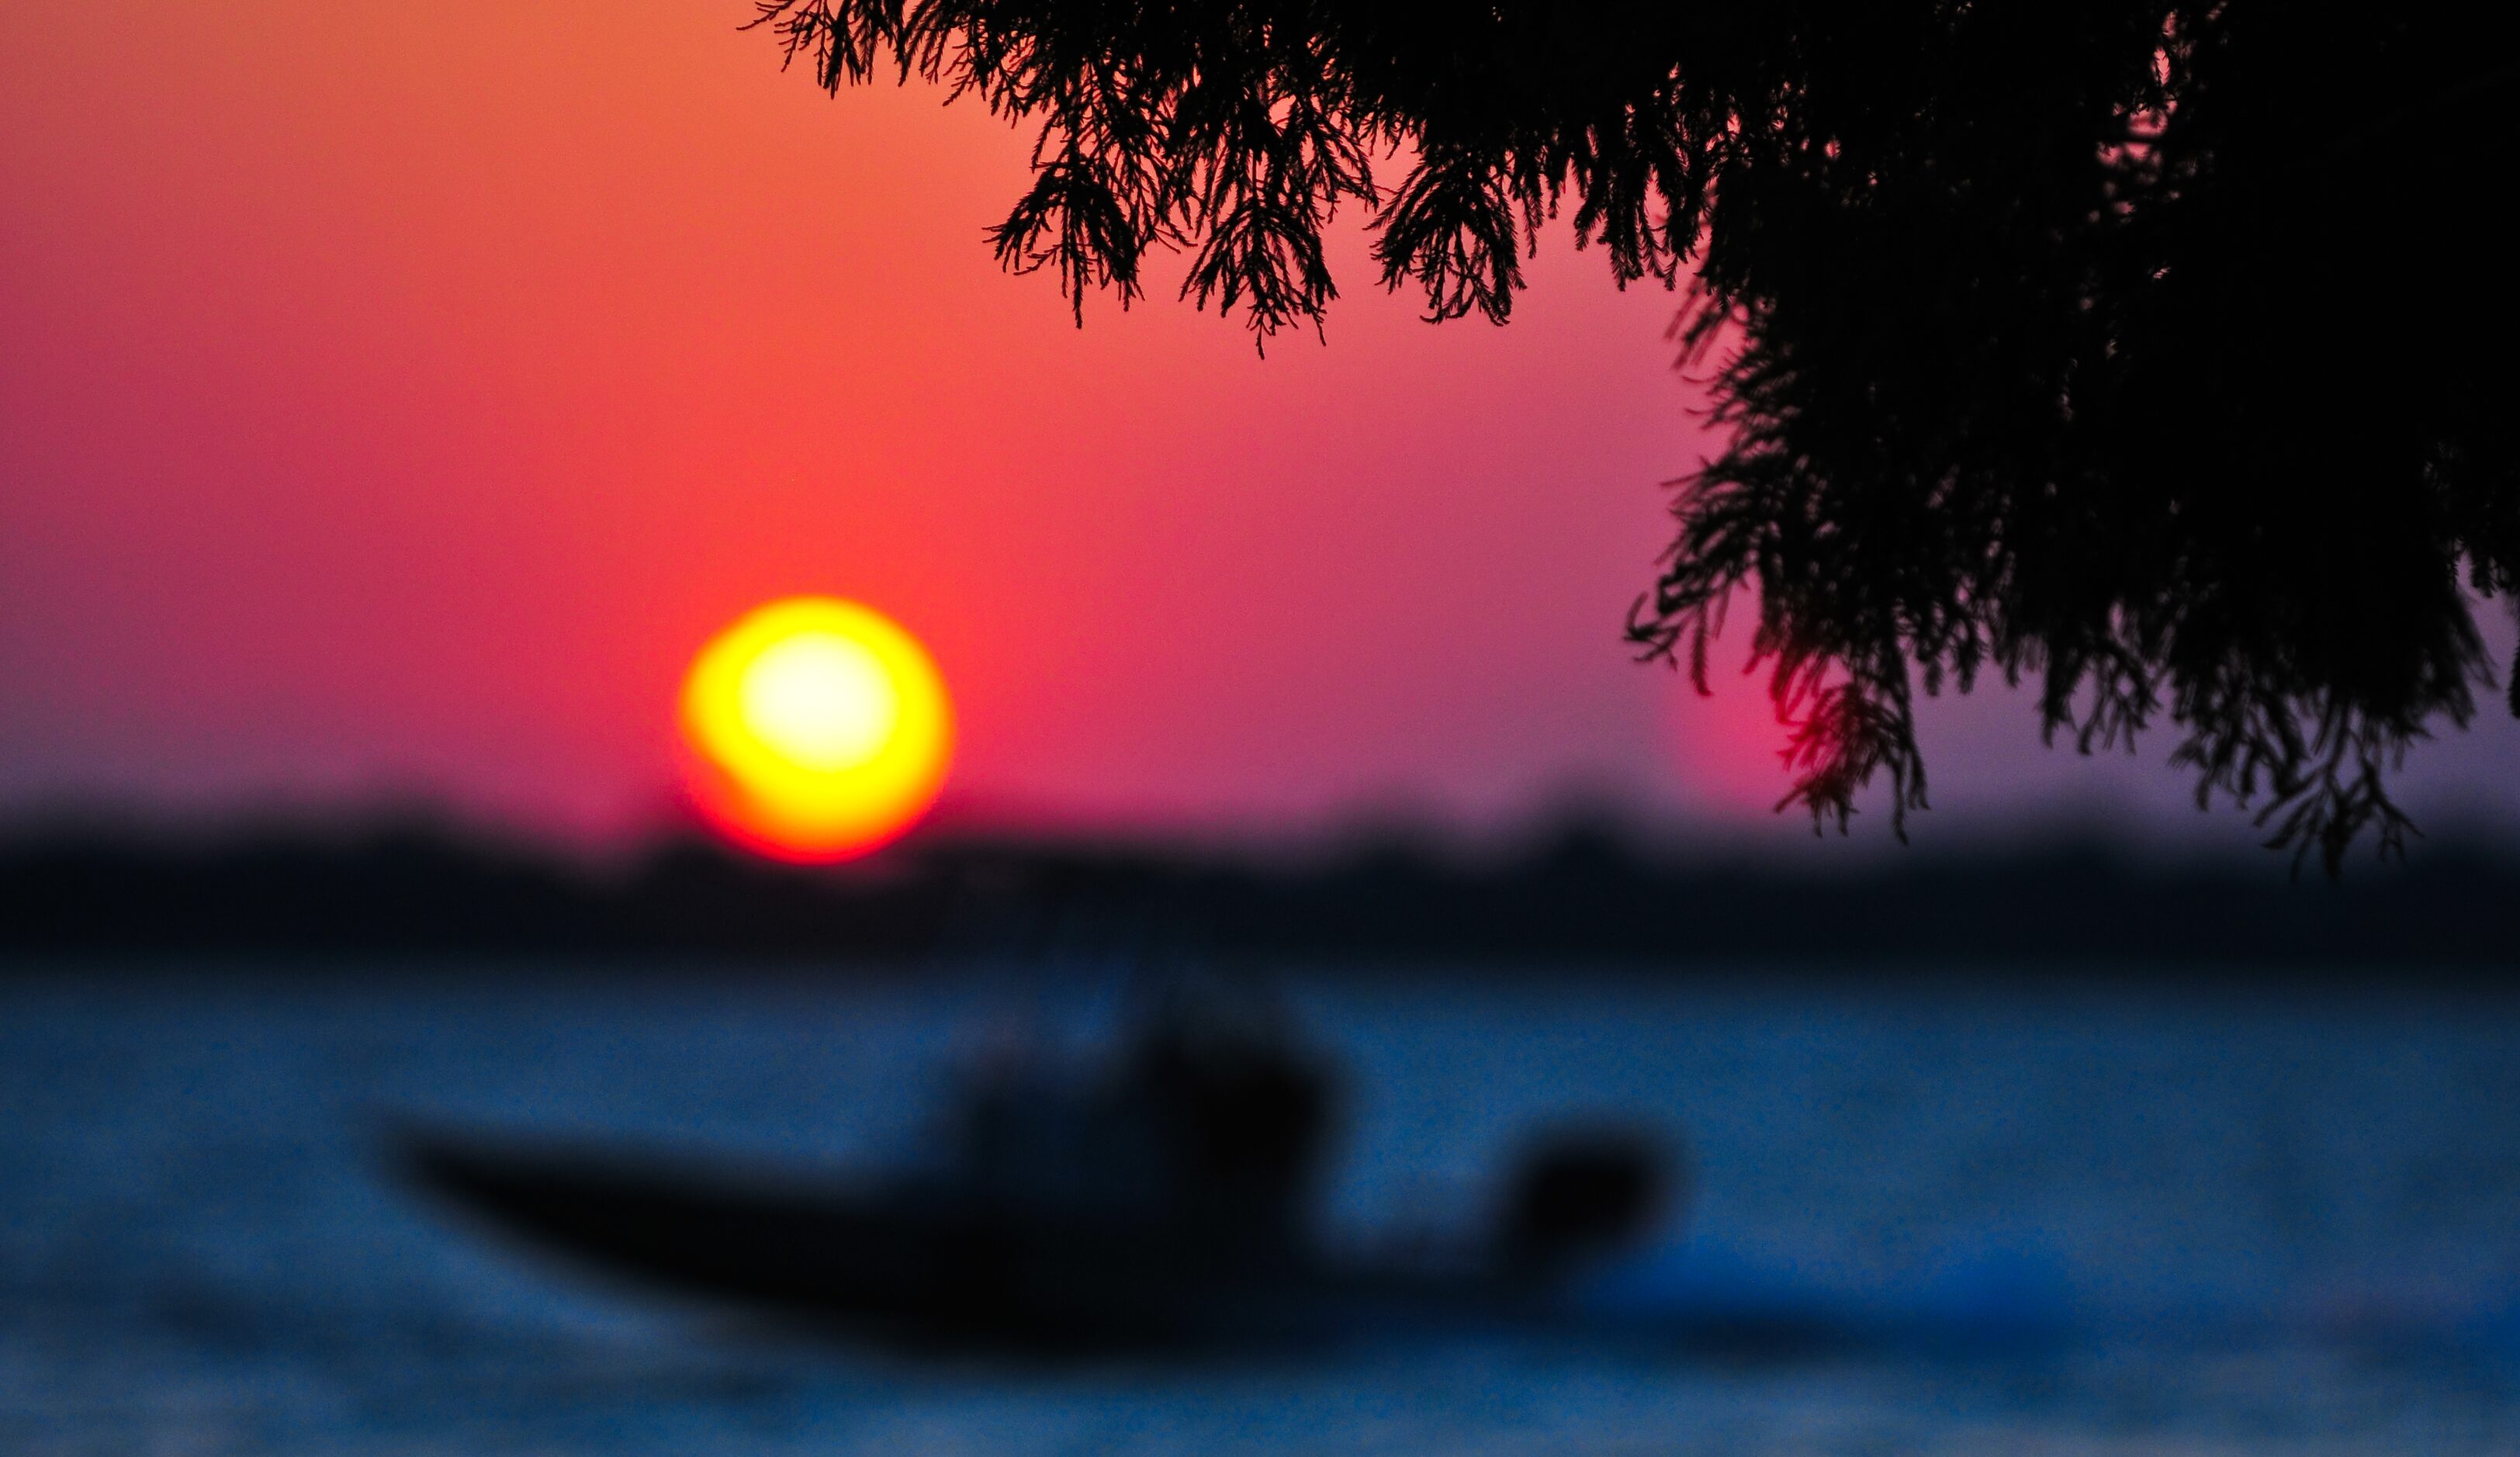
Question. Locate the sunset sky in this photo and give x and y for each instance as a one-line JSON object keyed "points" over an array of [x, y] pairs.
{"points": [[393, 399]]}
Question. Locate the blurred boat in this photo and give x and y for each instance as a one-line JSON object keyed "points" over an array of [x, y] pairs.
{"points": [[1162, 1202]]}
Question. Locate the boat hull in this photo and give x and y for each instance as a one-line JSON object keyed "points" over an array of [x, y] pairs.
{"points": [[933, 1262]]}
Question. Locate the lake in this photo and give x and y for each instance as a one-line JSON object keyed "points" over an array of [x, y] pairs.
{"points": [[2016, 1212]]}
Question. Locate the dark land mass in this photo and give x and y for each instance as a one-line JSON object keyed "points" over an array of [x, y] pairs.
{"points": [[1584, 895]]}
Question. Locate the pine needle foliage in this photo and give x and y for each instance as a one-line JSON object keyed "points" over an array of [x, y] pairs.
{"points": [[2160, 356]]}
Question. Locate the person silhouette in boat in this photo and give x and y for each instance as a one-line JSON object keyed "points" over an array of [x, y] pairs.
{"points": [[1209, 1126]]}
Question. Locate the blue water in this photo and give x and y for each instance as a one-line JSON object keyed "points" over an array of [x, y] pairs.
{"points": [[1934, 1218]]}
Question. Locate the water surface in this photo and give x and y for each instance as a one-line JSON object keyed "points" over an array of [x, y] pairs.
{"points": [[1994, 1215]]}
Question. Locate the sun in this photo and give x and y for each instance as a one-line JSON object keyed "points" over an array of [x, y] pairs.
{"points": [[818, 728]]}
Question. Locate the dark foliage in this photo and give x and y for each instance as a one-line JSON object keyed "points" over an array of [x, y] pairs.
{"points": [[2156, 354]]}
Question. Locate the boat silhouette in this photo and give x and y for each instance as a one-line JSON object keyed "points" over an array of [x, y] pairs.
{"points": [[1162, 1202]]}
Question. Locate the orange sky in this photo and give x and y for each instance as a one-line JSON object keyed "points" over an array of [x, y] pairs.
{"points": [[392, 398]]}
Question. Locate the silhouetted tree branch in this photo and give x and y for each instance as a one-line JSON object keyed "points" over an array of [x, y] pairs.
{"points": [[2158, 354]]}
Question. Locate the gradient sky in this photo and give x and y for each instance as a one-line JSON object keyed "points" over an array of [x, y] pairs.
{"points": [[392, 398]]}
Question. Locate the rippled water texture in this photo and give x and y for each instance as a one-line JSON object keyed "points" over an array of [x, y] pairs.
{"points": [[1943, 1218]]}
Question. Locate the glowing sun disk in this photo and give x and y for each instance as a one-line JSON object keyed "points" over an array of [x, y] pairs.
{"points": [[820, 729]]}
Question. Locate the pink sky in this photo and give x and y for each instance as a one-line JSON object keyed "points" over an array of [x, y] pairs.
{"points": [[392, 398]]}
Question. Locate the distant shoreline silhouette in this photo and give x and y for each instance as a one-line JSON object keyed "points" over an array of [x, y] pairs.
{"points": [[1586, 896]]}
